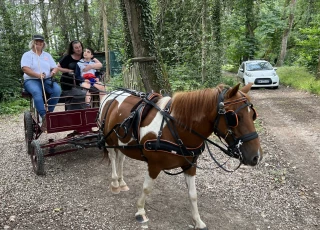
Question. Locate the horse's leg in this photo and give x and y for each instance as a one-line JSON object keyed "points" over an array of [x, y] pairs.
{"points": [[114, 186], [191, 184], [121, 157], [147, 188]]}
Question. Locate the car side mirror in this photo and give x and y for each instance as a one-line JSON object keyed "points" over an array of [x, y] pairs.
{"points": [[275, 68], [241, 69]]}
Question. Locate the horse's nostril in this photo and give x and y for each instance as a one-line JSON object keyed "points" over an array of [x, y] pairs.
{"points": [[255, 160]]}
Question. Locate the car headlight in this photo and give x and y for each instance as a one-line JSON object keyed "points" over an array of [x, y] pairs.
{"points": [[248, 74], [274, 74]]}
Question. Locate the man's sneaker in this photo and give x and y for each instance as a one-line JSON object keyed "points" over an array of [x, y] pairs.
{"points": [[44, 124]]}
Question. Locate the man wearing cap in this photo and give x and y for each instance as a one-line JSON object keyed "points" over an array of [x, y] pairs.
{"points": [[39, 67]]}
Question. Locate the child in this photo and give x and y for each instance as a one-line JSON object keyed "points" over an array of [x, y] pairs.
{"points": [[88, 77]]}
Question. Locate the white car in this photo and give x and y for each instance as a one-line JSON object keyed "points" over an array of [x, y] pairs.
{"points": [[259, 72]]}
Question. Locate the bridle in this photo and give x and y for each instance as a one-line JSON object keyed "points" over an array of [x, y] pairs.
{"points": [[231, 119]]}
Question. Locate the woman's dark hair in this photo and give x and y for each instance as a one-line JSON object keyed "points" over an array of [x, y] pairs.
{"points": [[70, 47]]}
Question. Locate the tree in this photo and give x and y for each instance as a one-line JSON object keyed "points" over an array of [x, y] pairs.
{"points": [[286, 32], [140, 30], [217, 42], [204, 41]]}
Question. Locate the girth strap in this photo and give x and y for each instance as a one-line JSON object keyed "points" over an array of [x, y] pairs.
{"points": [[170, 147]]}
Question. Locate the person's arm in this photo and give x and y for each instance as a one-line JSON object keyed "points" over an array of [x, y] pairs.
{"points": [[53, 71], [26, 63], [97, 65], [64, 62], [27, 70], [78, 73], [53, 66], [63, 70]]}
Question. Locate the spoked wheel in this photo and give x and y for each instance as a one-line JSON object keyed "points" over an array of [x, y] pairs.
{"points": [[37, 158], [29, 133]]}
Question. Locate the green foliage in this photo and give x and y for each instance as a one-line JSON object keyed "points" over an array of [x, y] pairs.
{"points": [[14, 107], [182, 78], [308, 49], [115, 82], [299, 78], [248, 27]]}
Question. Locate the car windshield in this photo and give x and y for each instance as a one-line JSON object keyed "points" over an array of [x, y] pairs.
{"points": [[256, 66]]}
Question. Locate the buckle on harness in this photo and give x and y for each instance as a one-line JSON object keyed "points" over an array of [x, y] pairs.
{"points": [[239, 144], [180, 143], [221, 108]]}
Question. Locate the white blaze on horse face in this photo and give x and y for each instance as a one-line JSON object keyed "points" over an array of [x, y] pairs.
{"points": [[155, 124]]}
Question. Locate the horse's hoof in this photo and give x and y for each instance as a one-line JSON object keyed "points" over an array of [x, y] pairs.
{"points": [[115, 190], [124, 188], [142, 219]]}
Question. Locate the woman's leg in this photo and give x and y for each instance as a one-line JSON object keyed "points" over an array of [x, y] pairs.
{"points": [[54, 91], [34, 87]]}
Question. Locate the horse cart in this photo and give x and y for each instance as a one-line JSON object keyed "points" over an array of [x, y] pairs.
{"points": [[69, 115]]}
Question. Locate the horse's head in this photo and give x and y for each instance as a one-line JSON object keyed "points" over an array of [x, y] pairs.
{"points": [[234, 123]]}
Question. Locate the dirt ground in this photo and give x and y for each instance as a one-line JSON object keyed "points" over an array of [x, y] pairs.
{"points": [[282, 192]]}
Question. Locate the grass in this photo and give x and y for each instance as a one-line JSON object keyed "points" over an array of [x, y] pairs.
{"points": [[299, 78], [14, 107]]}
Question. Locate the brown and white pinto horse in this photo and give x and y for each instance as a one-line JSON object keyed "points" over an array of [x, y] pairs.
{"points": [[170, 133]]}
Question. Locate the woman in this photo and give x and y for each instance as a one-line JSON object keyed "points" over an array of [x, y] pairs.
{"points": [[39, 68], [67, 64]]}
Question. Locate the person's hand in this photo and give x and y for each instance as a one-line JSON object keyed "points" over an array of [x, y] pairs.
{"points": [[87, 68], [52, 73], [70, 72], [42, 75]]}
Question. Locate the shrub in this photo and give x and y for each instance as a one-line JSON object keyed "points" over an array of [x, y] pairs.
{"points": [[299, 78], [14, 107]]}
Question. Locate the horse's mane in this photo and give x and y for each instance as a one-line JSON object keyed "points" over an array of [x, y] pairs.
{"points": [[189, 107]]}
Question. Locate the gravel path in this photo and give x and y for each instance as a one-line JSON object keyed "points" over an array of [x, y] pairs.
{"points": [[281, 193]]}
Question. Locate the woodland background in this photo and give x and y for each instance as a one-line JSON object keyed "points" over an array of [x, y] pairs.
{"points": [[194, 41]]}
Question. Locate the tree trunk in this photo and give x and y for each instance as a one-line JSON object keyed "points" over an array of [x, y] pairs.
{"points": [[217, 44], [318, 69], [64, 27], [250, 27], [204, 41], [87, 24], [44, 19], [286, 34], [141, 31], [105, 35]]}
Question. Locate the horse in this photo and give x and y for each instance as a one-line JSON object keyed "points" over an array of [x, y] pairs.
{"points": [[169, 133]]}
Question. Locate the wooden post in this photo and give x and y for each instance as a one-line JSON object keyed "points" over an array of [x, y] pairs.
{"points": [[105, 34]]}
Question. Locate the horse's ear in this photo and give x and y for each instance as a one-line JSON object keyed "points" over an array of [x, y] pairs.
{"points": [[247, 87], [233, 91]]}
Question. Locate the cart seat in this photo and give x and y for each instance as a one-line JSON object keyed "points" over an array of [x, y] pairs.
{"points": [[25, 94]]}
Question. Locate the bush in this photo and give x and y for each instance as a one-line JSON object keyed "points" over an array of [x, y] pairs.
{"points": [[14, 107], [299, 78]]}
